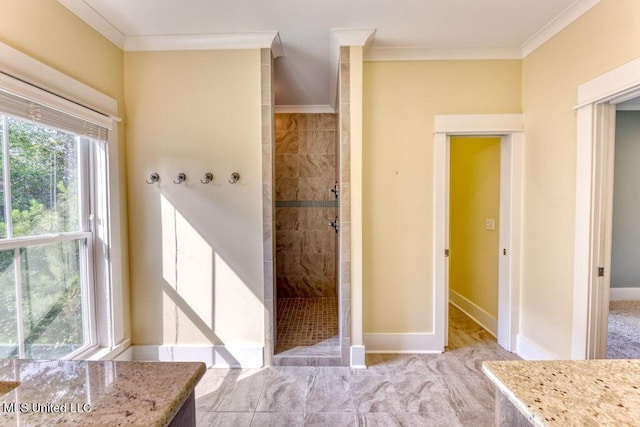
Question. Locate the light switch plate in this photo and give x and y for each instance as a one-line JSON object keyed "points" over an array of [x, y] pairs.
{"points": [[489, 224]]}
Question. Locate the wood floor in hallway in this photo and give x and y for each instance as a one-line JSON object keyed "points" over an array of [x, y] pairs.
{"points": [[445, 389]]}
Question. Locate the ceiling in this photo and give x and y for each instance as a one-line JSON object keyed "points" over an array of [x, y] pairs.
{"points": [[306, 71]]}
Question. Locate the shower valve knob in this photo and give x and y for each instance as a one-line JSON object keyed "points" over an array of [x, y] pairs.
{"points": [[335, 224], [336, 190]]}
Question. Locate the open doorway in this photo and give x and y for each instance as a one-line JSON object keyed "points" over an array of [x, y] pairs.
{"points": [[596, 113], [509, 129], [474, 226], [623, 319]]}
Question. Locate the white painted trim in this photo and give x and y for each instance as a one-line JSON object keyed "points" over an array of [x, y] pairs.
{"points": [[530, 350], [583, 233], [593, 146], [441, 239], [214, 356], [109, 353], [257, 40], [557, 24], [511, 171], [511, 128], [624, 294], [478, 124], [109, 302], [276, 47], [270, 39], [474, 311], [353, 36], [358, 357], [28, 91], [89, 15], [430, 54], [126, 356], [304, 109], [344, 37], [402, 343], [27, 69], [617, 85]]}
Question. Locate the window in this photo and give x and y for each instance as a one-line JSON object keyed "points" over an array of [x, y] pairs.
{"points": [[50, 163]]}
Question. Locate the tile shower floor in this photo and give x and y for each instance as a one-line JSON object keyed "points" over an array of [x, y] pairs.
{"points": [[445, 389], [307, 325]]}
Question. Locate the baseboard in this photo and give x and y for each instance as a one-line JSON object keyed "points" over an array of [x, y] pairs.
{"points": [[483, 318], [402, 343], [358, 357], [126, 355], [622, 294], [214, 356], [529, 350]]}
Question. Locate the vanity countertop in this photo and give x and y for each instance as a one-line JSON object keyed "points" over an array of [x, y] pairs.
{"points": [[571, 392], [59, 392]]}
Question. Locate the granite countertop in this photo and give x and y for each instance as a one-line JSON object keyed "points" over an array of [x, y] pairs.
{"points": [[94, 393], [571, 393]]}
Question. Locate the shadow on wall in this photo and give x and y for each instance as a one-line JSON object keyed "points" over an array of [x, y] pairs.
{"points": [[204, 299]]}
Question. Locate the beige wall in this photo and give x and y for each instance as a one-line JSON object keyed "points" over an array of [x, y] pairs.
{"points": [[51, 34], [474, 197], [602, 39], [400, 100], [196, 250]]}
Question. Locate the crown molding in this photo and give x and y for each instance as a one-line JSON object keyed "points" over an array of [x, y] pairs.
{"points": [[559, 23], [257, 40], [424, 54], [304, 109], [353, 36], [86, 13]]}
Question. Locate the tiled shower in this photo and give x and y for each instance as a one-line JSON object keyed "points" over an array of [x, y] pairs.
{"points": [[306, 202]]}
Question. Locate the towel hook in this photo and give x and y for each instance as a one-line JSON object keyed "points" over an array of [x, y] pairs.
{"points": [[235, 177], [208, 177], [180, 178], [154, 177]]}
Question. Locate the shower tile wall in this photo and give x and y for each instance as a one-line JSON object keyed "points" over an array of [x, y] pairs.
{"points": [[305, 173]]}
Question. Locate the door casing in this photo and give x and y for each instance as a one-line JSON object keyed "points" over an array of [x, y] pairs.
{"points": [[595, 147], [509, 127]]}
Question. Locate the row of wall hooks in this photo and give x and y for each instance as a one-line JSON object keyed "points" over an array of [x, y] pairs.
{"points": [[182, 177]]}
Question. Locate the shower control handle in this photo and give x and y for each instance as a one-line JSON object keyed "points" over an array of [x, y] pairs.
{"points": [[335, 224], [336, 190]]}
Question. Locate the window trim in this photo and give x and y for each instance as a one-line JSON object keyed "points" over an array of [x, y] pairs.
{"points": [[63, 92]]}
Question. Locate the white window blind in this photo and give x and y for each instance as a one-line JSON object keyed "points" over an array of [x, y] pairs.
{"points": [[35, 112]]}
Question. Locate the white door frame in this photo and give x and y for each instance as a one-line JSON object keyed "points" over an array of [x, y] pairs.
{"points": [[511, 130], [594, 204]]}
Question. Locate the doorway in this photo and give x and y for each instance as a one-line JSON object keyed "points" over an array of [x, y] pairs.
{"points": [[623, 317], [596, 112], [509, 128], [474, 226]]}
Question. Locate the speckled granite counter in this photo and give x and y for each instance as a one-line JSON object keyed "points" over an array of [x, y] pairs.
{"points": [[567, 393], [105, 393]]}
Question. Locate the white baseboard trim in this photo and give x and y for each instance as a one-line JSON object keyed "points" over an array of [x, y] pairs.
{"points": [[358, 357], [483, 318], [126, 356], [529, 350], [214, 356], [402, 343], [622, 294]]}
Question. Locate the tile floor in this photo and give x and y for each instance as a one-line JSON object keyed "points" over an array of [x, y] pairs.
{"points": [[445, 389], [304, 322]]}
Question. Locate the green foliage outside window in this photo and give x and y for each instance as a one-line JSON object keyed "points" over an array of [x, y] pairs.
{"points": [[44, 198]]}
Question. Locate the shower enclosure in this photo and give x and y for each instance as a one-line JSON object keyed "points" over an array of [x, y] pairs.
{"points": [[306, 221]]}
